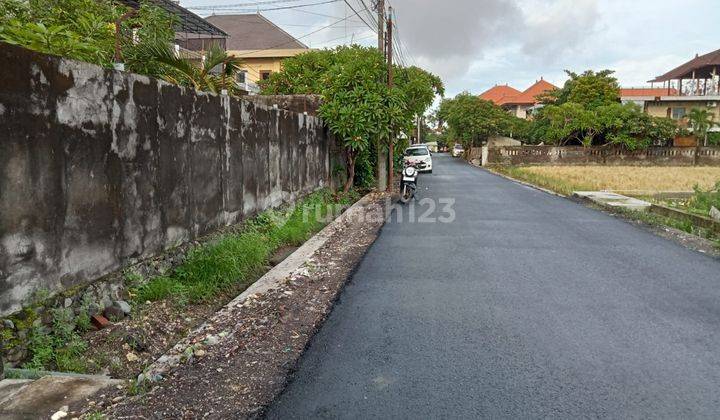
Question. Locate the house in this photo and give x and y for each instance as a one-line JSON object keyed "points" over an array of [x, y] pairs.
{"points": [[193, 34], [261, 44], [520, 104], [694, 84]]}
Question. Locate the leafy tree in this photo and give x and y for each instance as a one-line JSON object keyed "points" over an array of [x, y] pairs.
{"points": [[622, 125], [472, 120], [701, 120], [85, 30], [357, 105], [589, 89]]}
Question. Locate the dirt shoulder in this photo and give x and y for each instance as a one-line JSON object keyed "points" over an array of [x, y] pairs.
{"points": [[242, 364]]}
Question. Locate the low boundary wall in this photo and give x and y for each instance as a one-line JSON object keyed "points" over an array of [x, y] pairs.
{"points": [[569, 155]]}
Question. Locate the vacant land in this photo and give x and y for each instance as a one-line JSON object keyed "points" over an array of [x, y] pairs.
{"points": [[566, 179]]}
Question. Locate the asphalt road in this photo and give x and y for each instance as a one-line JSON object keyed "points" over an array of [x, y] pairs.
{"points": [[526, 306]]}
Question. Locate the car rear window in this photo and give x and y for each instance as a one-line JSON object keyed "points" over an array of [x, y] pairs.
{"points": [[416, 151]]}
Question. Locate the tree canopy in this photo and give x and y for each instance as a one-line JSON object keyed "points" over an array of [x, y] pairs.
{"points": [[471, 119], [85, 30], [589, 89], [357, 105], [586, 111]]}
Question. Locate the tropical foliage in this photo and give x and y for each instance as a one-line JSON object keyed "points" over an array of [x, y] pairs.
{"points": [[701, 120], [358, 106], [86, 30], [589, 89], [586, 111]]}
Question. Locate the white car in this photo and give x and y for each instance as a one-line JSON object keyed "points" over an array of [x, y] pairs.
{"points": [[419, 156], [457, 150]]}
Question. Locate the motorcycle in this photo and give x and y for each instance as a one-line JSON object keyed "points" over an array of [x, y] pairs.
{"points": [[408, 185]]}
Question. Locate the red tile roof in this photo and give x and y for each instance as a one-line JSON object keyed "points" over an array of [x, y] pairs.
{"points": [[528, 97], [502, 95], [499, 94], [630, 92]]}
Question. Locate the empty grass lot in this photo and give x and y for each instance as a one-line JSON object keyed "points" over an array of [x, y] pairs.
{"points": [[566, 179]]}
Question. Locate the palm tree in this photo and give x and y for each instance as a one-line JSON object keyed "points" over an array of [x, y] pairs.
{"points": [[701, 121], [216, 72]]}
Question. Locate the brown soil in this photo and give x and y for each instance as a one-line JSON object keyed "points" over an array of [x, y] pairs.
{"points": [[242, 374], [125, 348]]}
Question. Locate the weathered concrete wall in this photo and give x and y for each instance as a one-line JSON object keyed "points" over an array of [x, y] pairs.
{"points": [[100, 168], [296, 103], [571, 155]]}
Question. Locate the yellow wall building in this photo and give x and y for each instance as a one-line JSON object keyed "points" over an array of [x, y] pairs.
{"points": [[695, 84], [261, 44]]}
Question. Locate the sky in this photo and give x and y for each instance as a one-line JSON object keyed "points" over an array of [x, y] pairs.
{"points": [[475, 44]]}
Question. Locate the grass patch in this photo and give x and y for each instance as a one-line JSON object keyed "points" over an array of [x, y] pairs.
{"points": [[664, 221], [239, 257], [60, 348], [649, 179], [232, 259]]}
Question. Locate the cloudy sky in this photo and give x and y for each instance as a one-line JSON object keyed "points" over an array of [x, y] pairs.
{"points": [[475, 44]]}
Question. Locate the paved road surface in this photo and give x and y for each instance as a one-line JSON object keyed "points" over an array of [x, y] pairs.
{"points": [[527, 306]]}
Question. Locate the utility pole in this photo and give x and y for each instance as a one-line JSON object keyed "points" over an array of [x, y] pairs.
{"points": [[419, 124], [391, 140], [382, 157]]}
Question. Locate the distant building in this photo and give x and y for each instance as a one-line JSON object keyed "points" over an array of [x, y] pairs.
{"points": [[261, 44], [691, 85], [520, 104]]}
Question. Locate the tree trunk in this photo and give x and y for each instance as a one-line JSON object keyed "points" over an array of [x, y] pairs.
{"points": [[350, 171]]}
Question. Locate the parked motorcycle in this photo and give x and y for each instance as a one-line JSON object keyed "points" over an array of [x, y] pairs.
{"points": [[409, 182]]}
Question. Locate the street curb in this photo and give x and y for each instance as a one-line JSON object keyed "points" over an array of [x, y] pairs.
{"points": [[297, 259], [294, 264]]}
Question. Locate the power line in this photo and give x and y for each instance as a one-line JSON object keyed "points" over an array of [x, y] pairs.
{"points": [[255, 3], [298, 38], [360, 17], [354, 40], [235, 7]]}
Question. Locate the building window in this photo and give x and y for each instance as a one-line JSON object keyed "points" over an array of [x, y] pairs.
{"points": [[241, 76], [678, 113], [265, 74]]}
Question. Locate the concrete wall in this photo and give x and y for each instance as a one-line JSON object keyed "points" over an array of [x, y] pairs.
{"points": [[101, 168], [309, 104], [569, 155]]}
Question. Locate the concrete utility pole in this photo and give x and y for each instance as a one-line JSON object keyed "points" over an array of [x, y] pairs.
{"points": [[382, 157], [391, 141], [419, 124]]}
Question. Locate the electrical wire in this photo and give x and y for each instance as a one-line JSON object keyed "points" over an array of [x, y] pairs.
{"points": [[298, 38], [233, 7], [256, 3], [360, 17]]}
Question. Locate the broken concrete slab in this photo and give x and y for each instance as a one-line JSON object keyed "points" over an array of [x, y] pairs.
{"points": [[609, 199], [23, 398]]}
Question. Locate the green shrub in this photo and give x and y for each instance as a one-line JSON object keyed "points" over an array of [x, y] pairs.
{"points": [[703, 201], [237, 258], [60, 348]]}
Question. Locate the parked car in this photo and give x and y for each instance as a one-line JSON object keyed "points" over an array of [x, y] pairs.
{"points": [[419, 156], [457, 150]]}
